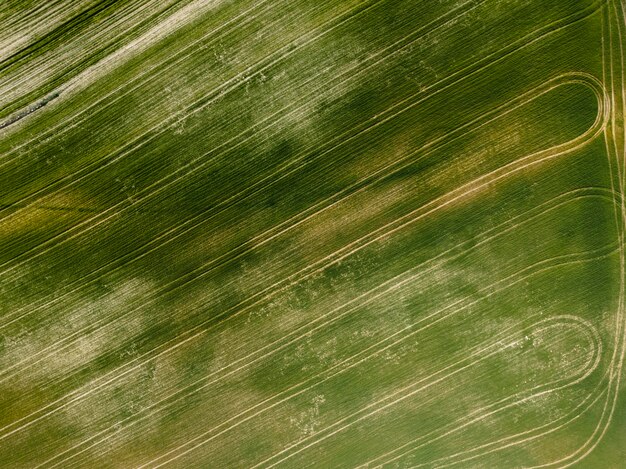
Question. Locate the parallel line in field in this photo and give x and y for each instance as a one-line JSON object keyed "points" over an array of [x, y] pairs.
{"points": [[17, 21], [615, 369], [24, 76], [420, 32], [479, 415], [506, 51], [63, 127], [200, 440], [620, 310], [545, 429], [28, 111], [173, 60], [213, 95], [569, 197], [620, 163], [402, 394], [550, 425], [360, 186], [621, 21], [379, 234], [585, 405], [131, 13], [612, 250], [196, 444], [333, 145], [599, 386], [607, 144], [520, 101], [91, 11], [619, 351], [24, 14], [27, 13], [304, 335]]}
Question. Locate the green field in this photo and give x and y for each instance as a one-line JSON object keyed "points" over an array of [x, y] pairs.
{"points": [[312, 233]]}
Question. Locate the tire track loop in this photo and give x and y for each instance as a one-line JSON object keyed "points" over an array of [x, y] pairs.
{"points": [[413, 330], [500, 55], [412, 217], [542, 267], [392, 285], [479, 415], [477, 350], [207, 268], [615, 367], [500, 230], [620, 350]]}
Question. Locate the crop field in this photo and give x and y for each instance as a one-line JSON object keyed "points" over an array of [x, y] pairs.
{"points": [[312, 233]]}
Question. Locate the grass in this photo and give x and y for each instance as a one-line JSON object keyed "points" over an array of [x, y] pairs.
{"points": [[353, 233]]}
